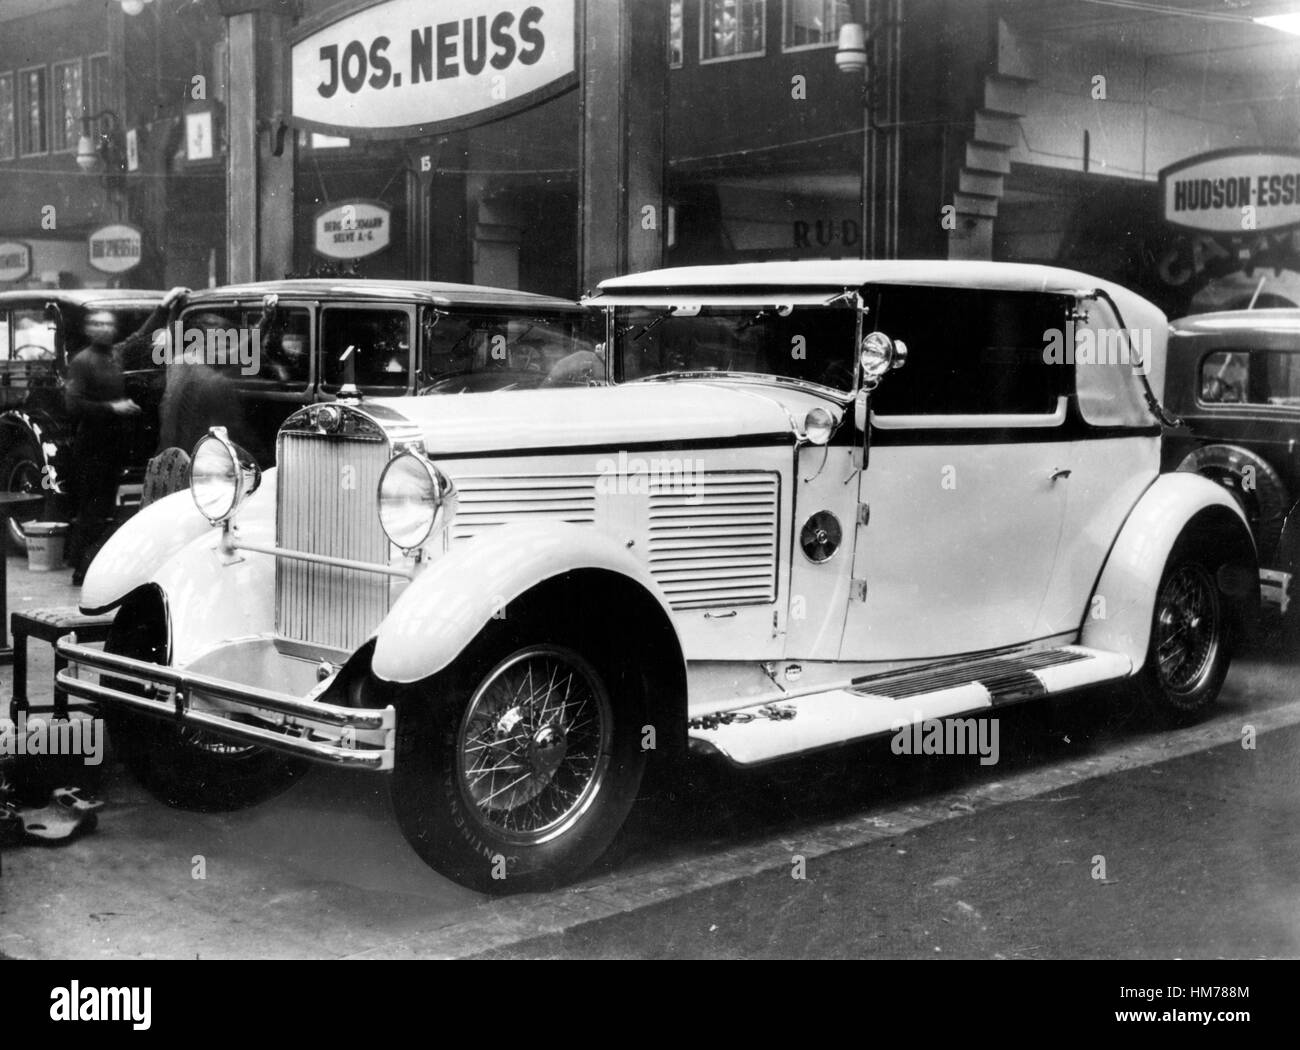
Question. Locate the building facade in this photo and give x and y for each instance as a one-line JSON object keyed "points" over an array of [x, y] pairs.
{"points": [[546, 145]]}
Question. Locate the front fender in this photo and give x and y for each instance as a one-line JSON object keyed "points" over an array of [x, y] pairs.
{"points": [[445, 607], [1123, 602], [146, 545]]}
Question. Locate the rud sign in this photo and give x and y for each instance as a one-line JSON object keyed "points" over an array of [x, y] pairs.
{"points": [[402, 68], [353, 229], [116, 248], [1233, 192], [15, 261]]}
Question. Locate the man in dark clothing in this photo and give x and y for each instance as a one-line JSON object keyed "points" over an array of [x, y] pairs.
{"points": [[95, 393]]}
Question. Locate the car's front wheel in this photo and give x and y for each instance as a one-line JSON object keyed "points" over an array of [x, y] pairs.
{"points": [[1191, 636], [182, 766], [517, 766]]}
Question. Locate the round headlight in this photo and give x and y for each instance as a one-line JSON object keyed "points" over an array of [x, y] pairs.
{"points": [[876, 355], [818, 426], [415, 497], [221, 475]]}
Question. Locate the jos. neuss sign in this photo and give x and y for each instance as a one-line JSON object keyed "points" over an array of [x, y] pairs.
{"points": [[399, 68], [1233, 192]]}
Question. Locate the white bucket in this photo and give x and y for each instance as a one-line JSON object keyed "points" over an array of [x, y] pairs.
{"points": [[45, 544]]}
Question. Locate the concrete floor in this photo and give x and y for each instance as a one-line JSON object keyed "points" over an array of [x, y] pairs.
{"points": [[906, 857]]}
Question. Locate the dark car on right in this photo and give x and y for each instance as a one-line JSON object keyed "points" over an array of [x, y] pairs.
{"points": [[1233, 378]]}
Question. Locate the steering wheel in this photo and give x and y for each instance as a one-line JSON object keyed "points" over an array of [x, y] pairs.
{"points": [[44, 352], [1220, 390]]}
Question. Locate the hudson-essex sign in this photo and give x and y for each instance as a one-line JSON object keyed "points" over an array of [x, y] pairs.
{"points": [[1233, 192], [405, 68]]}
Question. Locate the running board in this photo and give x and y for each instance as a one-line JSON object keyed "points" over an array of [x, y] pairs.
{"points": [[885, 703]]}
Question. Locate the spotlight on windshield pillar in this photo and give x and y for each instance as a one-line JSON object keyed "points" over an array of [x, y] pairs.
{"points": [[87, 158], [851, 54]]}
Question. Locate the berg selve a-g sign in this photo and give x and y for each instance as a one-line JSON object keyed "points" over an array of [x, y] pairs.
{"points": [[405, 68], [353, 229], [1235, 192]]}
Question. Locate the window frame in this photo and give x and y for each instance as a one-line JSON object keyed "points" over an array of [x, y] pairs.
{"points": [[90, 97], [22, 104], [788, 48], [12, 153], [680, 5], [58, 106], [352, 306], [1052, 418], [706, 34]]}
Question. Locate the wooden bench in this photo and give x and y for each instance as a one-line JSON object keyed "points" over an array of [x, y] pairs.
{"points": [[49, 625]]}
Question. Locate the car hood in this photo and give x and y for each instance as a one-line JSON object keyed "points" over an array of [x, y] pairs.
{"points": [[657, 414]]}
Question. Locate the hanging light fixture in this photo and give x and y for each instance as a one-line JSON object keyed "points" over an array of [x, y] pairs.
{"points": [[134, 7]]}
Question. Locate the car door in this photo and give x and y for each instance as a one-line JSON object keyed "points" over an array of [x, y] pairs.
{"points": [[962, 499]]}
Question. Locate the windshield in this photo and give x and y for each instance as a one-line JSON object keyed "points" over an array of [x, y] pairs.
{"points": [[466, 352], [810, 344]]}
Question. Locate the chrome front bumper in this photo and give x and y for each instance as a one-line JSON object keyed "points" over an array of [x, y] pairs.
{"points": [[338, 736]]}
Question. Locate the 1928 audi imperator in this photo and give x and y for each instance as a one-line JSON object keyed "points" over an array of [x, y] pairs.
{"points": [[815, 503]]}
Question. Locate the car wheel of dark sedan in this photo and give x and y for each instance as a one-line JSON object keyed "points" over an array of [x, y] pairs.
{"points": [[1191, 635], [517, 766], [1256, 486], [21, 470]]}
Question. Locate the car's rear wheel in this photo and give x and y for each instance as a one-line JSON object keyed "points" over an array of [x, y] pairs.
{"points": [[1192, 633], [517, 766]]}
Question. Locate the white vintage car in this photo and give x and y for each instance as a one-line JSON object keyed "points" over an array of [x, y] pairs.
{"points": [[816, 501]]}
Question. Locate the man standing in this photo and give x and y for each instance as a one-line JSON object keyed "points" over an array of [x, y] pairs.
{"points": [[96, 398]]}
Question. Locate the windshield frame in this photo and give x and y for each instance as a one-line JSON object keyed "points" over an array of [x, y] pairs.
{"points": [[846, 298]]}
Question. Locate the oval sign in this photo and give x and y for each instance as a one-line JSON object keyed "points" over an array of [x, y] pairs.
{"points": [[116, 248], [15, 261], [1235, 192], [402, 68], [353, 229]]}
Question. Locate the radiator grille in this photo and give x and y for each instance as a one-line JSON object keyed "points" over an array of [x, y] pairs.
{"points": [[326, 501], [714, 542], [486, 502]]}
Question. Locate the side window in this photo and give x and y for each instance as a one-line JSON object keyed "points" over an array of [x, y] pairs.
{"points": [[4, 335], [243, 348], [970, 352], [1283, 378], [378, 341], [33, 336], [1225, 378]]}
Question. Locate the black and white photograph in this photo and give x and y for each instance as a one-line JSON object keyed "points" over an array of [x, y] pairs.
{"points": [[651, 480]]}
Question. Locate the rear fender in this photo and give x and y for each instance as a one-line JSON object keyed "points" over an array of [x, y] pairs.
{"points": [[444, 608], [1123, 603]]}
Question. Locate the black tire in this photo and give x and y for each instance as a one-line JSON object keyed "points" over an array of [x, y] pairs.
{"points": [[1193, 630], [577, 787], [1265, 502], [21, 470], [183, 767]]}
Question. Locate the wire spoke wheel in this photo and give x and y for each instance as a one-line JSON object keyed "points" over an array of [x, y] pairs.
{"points": [[23, 474], [1189, 629], [533, 747]]}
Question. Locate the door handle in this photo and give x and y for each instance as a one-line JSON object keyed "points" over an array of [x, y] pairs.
{"points": [[1061, 472]]}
